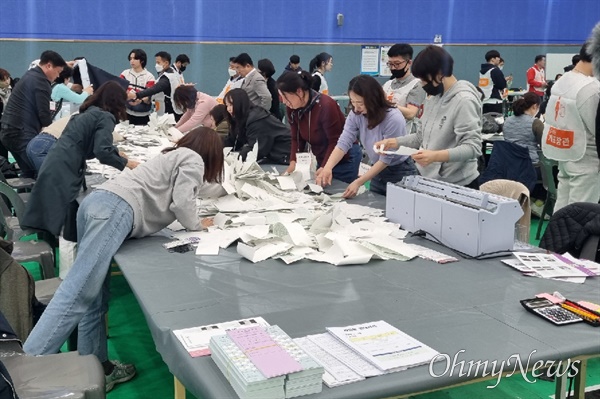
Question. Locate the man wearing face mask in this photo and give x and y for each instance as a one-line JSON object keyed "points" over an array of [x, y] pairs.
{"points": [[449, 134], [404, 90], [167, 82], [234, 82], [181, 63], [492, 82]]}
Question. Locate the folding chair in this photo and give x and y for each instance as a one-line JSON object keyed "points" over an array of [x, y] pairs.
{"points": [[546, 168], [24, 251]]}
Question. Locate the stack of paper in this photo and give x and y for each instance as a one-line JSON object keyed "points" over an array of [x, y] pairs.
{"points": [[265, 363], [195, 340], [353, 353], [244, 377], [554, 266], [303, 382]]}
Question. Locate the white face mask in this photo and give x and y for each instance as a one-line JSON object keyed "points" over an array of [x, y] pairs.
{"points": [[501, 67], [159, 68], [232, 72]]}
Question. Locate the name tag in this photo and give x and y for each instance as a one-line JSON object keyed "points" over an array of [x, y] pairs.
{"points": [[304, 158], [363, 168], [559, 138]]}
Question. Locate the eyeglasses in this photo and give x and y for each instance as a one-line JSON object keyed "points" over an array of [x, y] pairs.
{"points": [[396, 65]]}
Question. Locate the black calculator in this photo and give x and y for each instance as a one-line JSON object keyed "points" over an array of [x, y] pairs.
{"points": [[553, 313]]}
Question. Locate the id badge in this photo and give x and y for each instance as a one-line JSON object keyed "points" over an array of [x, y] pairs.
{"points": [[306, 163], [363, 168]]}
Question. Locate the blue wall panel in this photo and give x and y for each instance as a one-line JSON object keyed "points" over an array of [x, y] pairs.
{"points": [[366, 21]]}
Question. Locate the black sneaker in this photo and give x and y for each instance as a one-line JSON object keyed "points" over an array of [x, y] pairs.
{"points": [[121, 373]]}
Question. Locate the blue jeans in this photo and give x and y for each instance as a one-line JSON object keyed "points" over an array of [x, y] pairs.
{"points": [[392, 174], [347, 171], [38, 148], [104, 221]]}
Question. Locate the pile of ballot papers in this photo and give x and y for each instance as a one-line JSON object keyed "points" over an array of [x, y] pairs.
{"points": [[265, 363]]}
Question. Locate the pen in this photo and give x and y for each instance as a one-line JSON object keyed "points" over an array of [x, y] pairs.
{"points": [[578, 306], [582, 313]]}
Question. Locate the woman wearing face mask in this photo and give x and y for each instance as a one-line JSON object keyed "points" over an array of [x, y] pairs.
{"points": [[317, 123], [322, 63], [234, 82], [524, 128], [372, 119], [449, 135]]}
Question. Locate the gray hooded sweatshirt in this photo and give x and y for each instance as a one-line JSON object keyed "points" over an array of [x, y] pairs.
{"points": [[450, 122], [161, 190]]}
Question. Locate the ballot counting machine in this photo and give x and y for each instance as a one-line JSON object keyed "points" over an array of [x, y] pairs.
{"points": [[469, 221]]}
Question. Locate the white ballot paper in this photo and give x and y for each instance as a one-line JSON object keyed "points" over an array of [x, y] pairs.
{"points": [[402, 150], [383, 345], [195, 340]]}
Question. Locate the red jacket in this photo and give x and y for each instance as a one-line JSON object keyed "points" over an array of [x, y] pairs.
{"points": [[326, 125]]}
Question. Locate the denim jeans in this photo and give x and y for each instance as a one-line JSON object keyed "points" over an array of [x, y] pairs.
{"points": [[392, 174], [38, 148], [104, 221], [347, 171]]}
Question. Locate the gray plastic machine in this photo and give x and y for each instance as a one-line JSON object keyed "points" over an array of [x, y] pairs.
{"points": [[467, 220]]}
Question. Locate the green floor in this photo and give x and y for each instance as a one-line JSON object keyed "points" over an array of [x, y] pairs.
{"points": [[130, 341]]}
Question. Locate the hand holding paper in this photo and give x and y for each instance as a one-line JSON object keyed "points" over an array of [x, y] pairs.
{"points": [[402, 150], [388, 144]]}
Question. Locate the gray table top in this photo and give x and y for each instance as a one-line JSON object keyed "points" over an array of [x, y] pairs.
{"points": [[471, 305]]}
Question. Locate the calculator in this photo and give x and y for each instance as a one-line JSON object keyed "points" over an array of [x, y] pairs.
{"points": [[550, 311]]}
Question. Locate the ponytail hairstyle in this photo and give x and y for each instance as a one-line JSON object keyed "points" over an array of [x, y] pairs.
{"points": [[524, 103], [318, 61], [290, 82], [206, 143]]}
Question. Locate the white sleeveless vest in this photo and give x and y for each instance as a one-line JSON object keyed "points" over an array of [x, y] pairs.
{"points": [[399, 96], [159, 98], [324, 88], [565, 138]]}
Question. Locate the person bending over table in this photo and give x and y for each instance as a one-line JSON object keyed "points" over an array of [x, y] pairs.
{"points": [[196, 107], [317, 123], [133, 204], [449, 135], [249, 123], [87, 135], [373, 118]]}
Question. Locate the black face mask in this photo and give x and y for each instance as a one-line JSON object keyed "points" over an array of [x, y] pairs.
{"points": [[432, 90], [182, 69], [399, 73]]}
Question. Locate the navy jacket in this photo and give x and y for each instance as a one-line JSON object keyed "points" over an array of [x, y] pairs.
{"points": [[28, 107], [511, 162]]}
